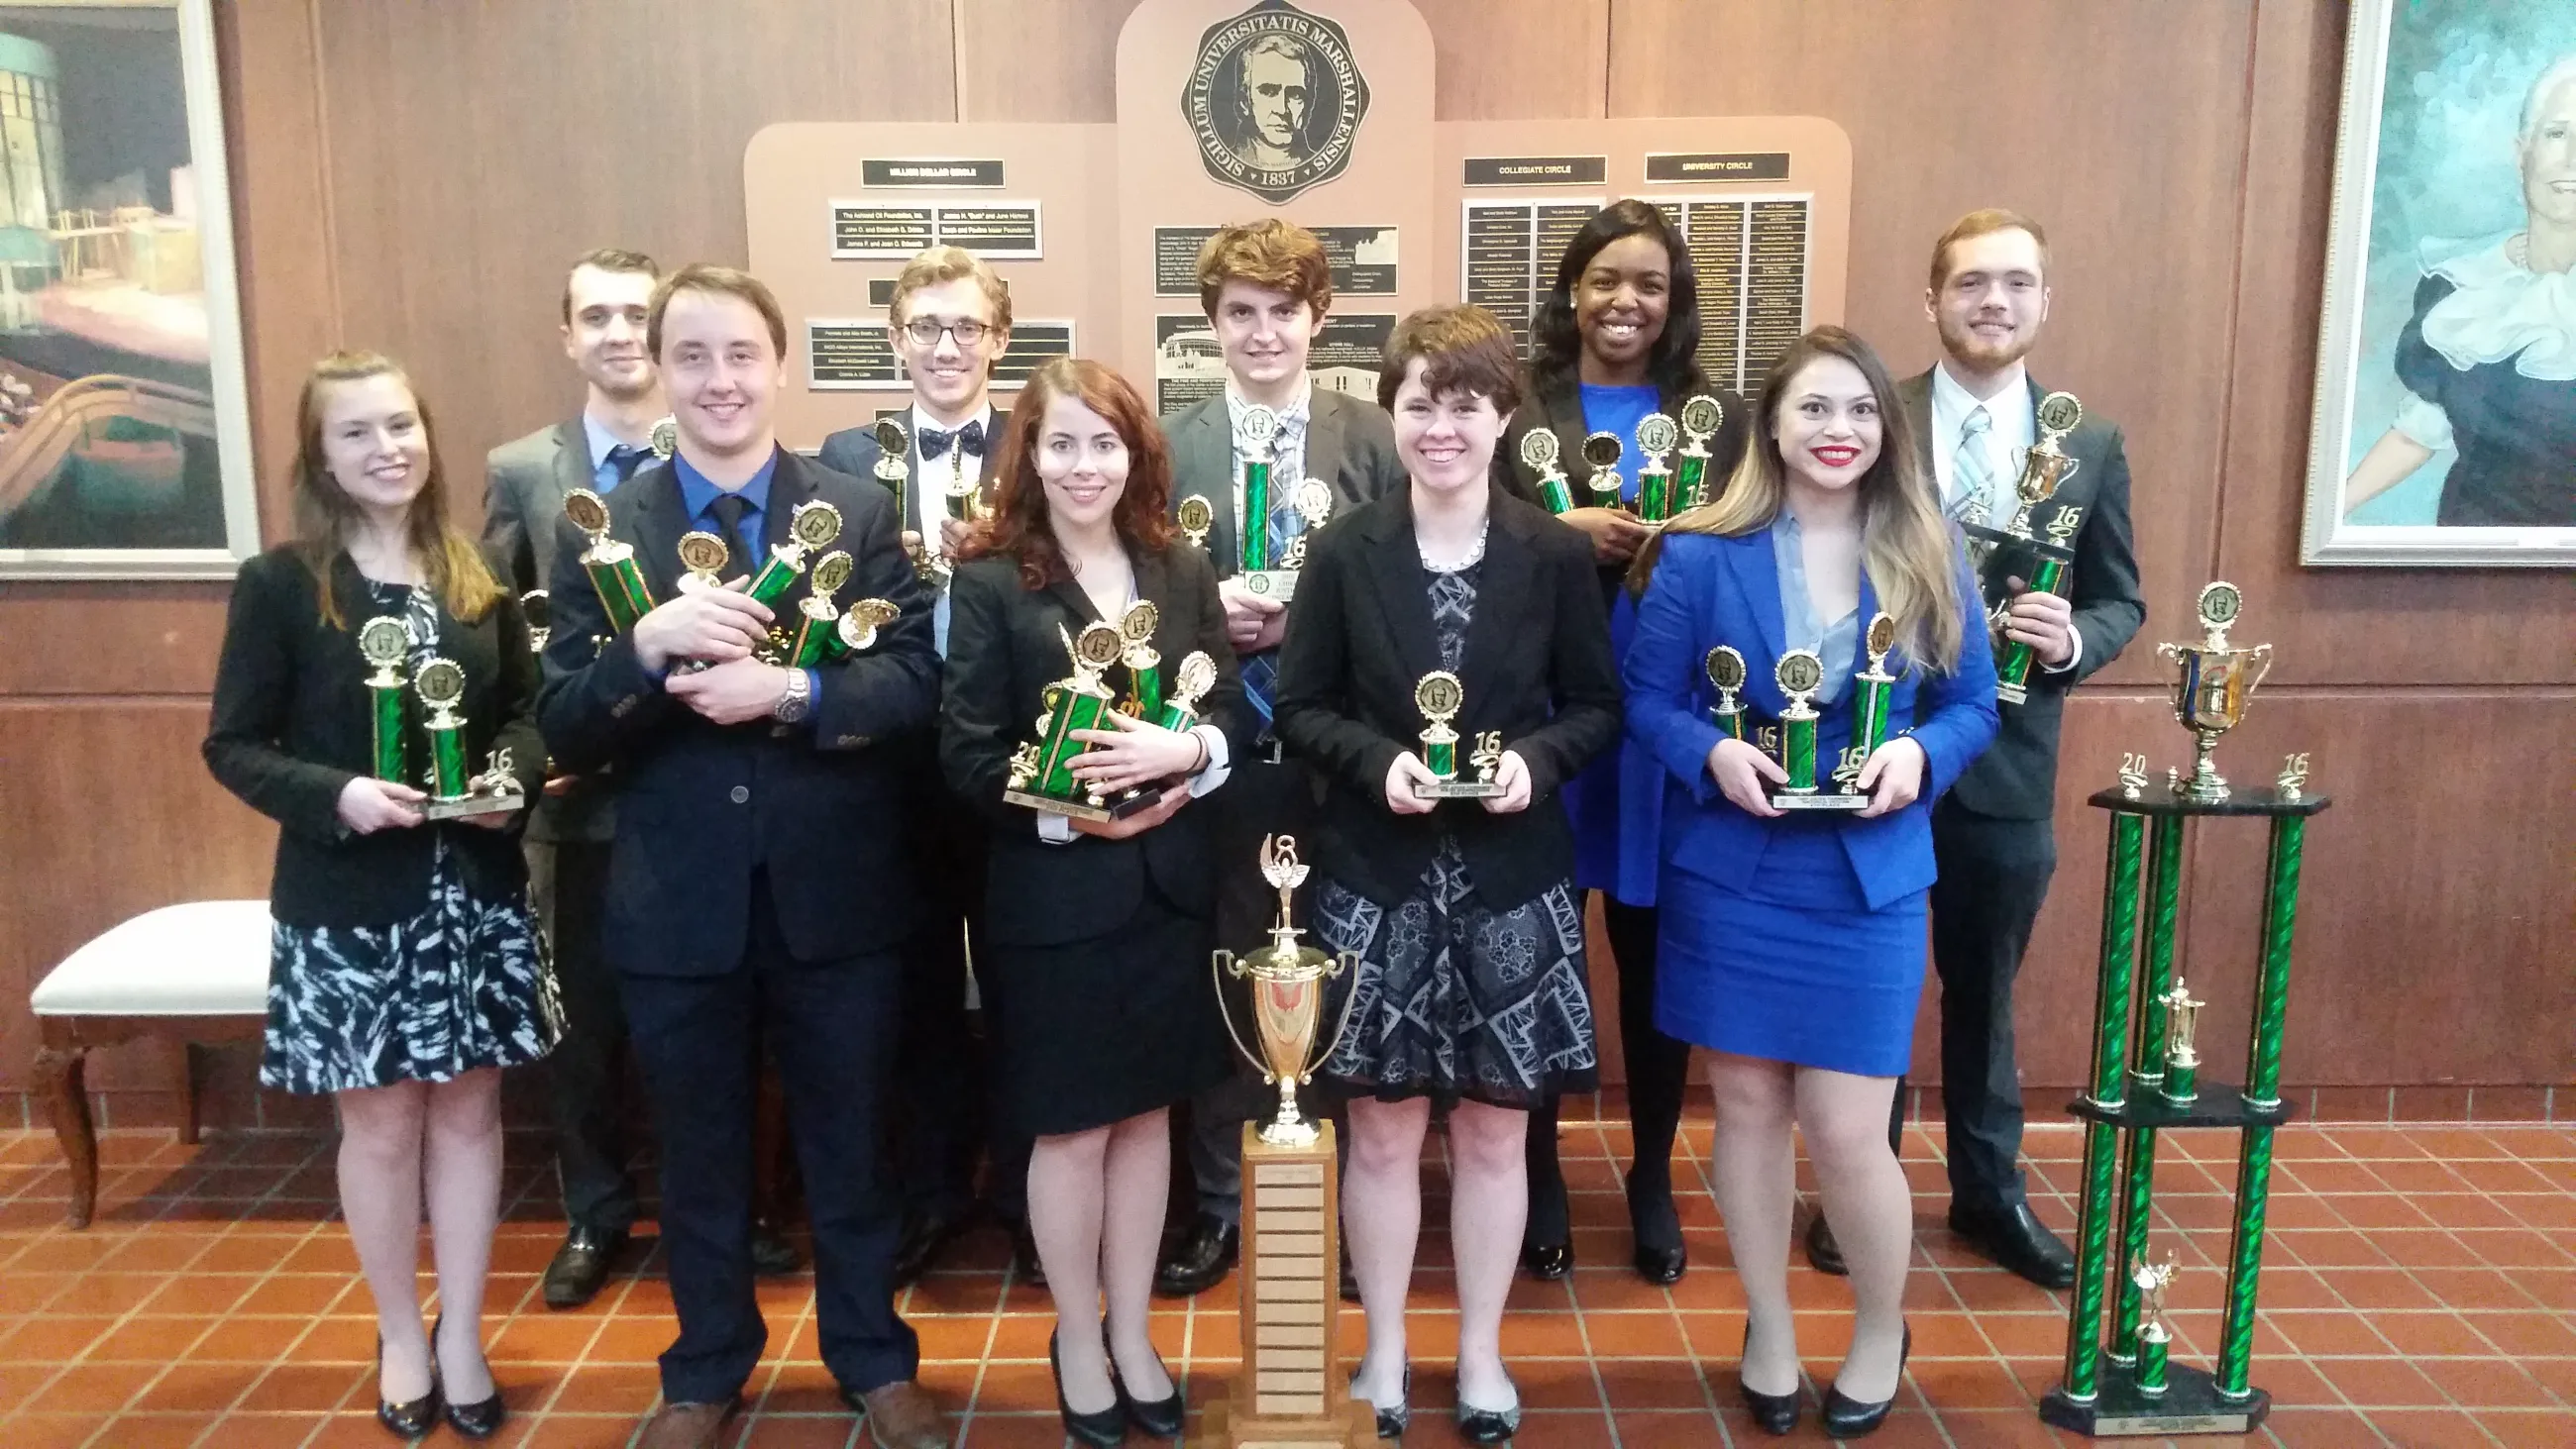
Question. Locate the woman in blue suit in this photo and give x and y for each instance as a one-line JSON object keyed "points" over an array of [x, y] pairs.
{"points": [[1792, 944]]}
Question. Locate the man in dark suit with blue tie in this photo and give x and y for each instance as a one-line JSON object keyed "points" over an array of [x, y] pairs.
{"points": [[758, 879]]}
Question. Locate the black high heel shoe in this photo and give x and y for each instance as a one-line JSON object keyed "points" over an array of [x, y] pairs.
{"points": [[1106, 1429], [479, 1420], [1777, 1414], [1489, 1426], [1391, 1423], [1656, 1229], [1848, 1418], [413, 1420], [1156, 1418]]}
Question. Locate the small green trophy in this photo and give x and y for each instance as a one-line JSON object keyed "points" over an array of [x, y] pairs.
{"points": [[1726, 672], [821, 622], [1656, 436], [1195, 518], [2181, 1084], [1601, 455], [441, 684], [1539, 450], [383, 641], [1440, 696], [1142, 660], [1041, 775], [1191, 681], [1701, 418], [610, 563], [2155, 1333], [1800, 673], [1872, 687], [894, 464], [2047, 576], [857, 631], [812, 526]]}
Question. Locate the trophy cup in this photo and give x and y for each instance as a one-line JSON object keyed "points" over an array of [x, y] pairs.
{"points": [[2000, 553], [1701, 417], [441, 685], [1439, 696], [1041, 775], [1539, 450], [857, 631], [1601, 455], [383, 641], [2181, 1084], [812, 526], [819, 623], [1800, 673], [610, 563], [2210, 693], [1726, 672], [1195, 518], [1292, 1391], [1656, 436], [2047, 576]]}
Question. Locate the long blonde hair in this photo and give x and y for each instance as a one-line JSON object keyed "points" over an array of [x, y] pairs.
{"points": [[1906, 544], [449, 560]]}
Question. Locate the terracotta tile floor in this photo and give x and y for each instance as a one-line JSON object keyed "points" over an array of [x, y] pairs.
{"points": [[2420, 1291]]}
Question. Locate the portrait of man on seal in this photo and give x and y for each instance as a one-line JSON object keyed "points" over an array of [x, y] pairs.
{"points": [[1275, 100]]}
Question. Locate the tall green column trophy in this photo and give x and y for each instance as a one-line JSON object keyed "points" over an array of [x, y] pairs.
{"points": [[385, 642], [2127, 1385], [1175, 709], [1539, 449], [1262, 573], [1702, 415], [1292, 1390], [1041, 775], [1656, 437], [2014, 551], [1440, 696]]}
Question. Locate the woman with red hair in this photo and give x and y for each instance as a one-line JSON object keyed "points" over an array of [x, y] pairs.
{"points": [[1099, 931]]}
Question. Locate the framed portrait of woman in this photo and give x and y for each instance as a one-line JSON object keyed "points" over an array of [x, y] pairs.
{"points": [[2445, 411]]}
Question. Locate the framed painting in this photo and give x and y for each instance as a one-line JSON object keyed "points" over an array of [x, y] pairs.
{"points": [[2445, 411], [124, 415]]}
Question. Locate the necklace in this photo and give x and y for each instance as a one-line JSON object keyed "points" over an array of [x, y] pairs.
{"points": [[1474, 556]]}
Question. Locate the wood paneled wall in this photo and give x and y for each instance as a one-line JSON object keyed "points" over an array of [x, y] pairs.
{"points": [[413, 177]]}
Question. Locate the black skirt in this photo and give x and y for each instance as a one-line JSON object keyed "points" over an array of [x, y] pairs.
{"points": [[1097, 1031]]}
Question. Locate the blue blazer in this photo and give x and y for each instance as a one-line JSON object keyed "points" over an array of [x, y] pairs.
{"points": [[1708, 591]]}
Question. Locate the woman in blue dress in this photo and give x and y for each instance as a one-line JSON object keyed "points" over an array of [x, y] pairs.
{"points": [[1792, 943]]}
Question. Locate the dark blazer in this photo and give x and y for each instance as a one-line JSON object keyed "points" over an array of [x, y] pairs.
{"points": [[1556, 404], [1537, 667], [1710, 590], [2017, 779], [525, 483], [854, 451], [293, 724], [1350, 444], [701, 806], [1005, 645]]}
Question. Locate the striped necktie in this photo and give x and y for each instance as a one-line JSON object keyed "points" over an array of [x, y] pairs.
{"points": [[1972, 477]]}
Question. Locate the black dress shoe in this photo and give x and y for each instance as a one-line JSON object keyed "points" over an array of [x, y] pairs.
{"points": [[1848, 1418], [1025, 1263], [1393, 1420], [1776, 1414], [479, 1420], [1547, 1262], [1104, 1430], [1657, 1229], [1156, 1418], [2016, 1238], [581, 1266], [772, 1256], [415, 1419], [1488, 1426], [1200, 1260], [1823, 1253], [924, 1235]]}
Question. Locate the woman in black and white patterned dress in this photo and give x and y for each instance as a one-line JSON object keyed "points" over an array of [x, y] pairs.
{"points": [[405, 968], [1470, 985]]}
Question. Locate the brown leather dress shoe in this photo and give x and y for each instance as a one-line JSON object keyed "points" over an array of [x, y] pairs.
{"points": [[902, 1415], [687, 1426]]}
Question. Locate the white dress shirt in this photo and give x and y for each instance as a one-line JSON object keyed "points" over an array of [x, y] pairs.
{"points": [[2012, 427]]}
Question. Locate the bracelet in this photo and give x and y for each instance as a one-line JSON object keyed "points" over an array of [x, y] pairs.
{"points": [[1205, 754]]}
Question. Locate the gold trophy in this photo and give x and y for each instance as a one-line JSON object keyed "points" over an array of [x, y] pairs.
{"points": [[857, 631], [1601, 455], [1439, 696], [1041, 776], [819, 615], [2215, 682], [1292, 1391], [1539, 449], [704, 555], [2013, 551], [1702, 415], [1195, 518], [2181, 1084], [623, 595]]}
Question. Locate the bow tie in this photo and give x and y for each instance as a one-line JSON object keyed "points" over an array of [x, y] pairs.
{"points": [[969, 440]]}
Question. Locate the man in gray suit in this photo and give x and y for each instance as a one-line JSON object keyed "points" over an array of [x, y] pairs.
{"points": [[1265, 287]]}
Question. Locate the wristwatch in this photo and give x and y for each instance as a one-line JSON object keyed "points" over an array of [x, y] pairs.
{"points": [[797, 702]]}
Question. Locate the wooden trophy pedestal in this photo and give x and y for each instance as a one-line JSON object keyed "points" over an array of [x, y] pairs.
{"points": [[1292, 1393]]}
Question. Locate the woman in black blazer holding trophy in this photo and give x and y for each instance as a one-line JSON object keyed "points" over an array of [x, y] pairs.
{"points": [[375, 698], [1075, 605], [1447, 666]]}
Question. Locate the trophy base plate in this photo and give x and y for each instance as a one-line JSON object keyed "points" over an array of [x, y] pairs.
{"points": [[458, 809], [2190, 1404], [1080, 809], [1457, 790], [1820, 801], [1280, 584], [2012, 693]]}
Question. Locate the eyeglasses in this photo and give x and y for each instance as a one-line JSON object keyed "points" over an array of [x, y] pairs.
{"points": [[924, 331]]}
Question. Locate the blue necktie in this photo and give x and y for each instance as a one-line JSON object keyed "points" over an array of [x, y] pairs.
{"points": [[969, 440], [730, 510], [626, 460]]}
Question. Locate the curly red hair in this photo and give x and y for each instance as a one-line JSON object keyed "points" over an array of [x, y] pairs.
{"points": [[1017, 526]]}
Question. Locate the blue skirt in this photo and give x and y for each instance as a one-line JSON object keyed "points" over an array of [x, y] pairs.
{"points": [[1797, 968]]}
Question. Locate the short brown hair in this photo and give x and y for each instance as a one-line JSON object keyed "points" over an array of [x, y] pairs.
{"points": [[1463, 347], [1279, 255], [607, 259], [941, 265], [1982, 222], [723, 282]]}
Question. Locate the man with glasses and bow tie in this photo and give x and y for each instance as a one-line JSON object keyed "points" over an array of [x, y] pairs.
{"points": [[1976, 414], [949, 320]]}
